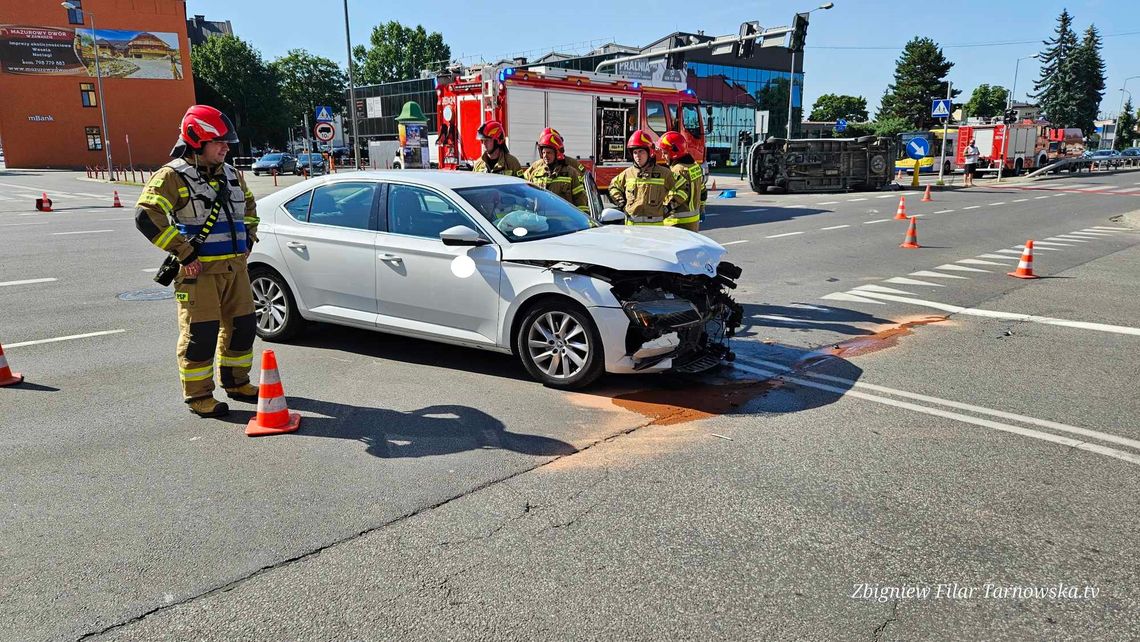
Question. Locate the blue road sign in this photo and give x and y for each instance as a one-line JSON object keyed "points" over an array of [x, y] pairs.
{"points": [[841, 124], [324, 115], [918, 148], [940, 108]]}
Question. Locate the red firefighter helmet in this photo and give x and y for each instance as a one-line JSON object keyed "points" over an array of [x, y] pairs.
{"points": [[202, 124], [553, 140], [641, 138], [561, 150], [672, 144], [493, 130]]}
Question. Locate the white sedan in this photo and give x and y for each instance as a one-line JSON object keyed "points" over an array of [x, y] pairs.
{"points": [[495, 263]]}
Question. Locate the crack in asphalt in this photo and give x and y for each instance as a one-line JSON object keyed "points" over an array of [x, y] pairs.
{"points": [[877, 634], [233, 584]]}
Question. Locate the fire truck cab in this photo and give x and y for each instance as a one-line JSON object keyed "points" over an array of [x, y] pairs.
{"points": [[1019, 147], [595, 113]]}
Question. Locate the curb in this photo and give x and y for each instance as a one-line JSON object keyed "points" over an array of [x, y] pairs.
{"points": [[1131, 219]]}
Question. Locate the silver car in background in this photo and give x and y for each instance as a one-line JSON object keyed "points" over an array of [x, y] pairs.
{"points": [[495, 263]]}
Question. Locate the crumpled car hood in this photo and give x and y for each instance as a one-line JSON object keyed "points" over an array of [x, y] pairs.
{"points": [[634, 248]]}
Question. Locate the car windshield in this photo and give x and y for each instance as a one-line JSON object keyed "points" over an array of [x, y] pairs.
{"points": [[271, 157], [304, 158], [523, 212]]}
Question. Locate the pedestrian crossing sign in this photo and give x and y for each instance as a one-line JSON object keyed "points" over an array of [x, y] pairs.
{"points": [[940, 108], [324, 115]]}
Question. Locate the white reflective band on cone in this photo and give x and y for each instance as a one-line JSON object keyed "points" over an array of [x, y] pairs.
{"points": [[266, 406], [270, 376]]}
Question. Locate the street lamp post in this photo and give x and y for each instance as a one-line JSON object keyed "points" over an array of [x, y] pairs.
{"points": [[351, 91], [792, 78], [1008, 106], [99, 81]]}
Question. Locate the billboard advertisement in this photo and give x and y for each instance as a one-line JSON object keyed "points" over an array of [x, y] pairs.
{"points": [[53, 51]]}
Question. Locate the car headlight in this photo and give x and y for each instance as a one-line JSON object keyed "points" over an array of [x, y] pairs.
{"points": [[664, 313]]}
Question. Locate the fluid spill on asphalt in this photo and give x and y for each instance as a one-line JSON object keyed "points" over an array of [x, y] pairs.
{"points": [[860, 346]]}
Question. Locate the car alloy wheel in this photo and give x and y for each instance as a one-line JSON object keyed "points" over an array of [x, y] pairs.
{"points": [[558, 345], [274, 310]]}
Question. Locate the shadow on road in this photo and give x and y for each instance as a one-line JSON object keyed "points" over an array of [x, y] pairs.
{"points": [[729, 216], [806, 319], [434, 430]]}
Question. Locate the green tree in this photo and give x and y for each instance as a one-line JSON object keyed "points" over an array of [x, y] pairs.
{"points": [[1125, 127], [987, 101], [920, 76], [1057, 92], [1088, 71], [892, 126], [233, 77], [835, 106], [396, 52], [307, 81]]}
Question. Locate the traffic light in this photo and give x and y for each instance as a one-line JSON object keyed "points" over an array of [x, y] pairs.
{"points": [[747, 44], [799, 32], [1010, 116]]}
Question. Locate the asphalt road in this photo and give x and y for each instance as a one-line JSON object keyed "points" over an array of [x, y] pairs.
{"points": [[911, 445]]}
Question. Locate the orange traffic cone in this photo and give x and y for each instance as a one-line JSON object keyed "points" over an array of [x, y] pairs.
{"points": [[43, 204], [900, 213], [273, 417], [926, 197], [911, 240], [7, 377], [1025, 265], [117, 203]]}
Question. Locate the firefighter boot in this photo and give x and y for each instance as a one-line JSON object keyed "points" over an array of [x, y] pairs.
{"points": [[246, 393], [208, 407]]}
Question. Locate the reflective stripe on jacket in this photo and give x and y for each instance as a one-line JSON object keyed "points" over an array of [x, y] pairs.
{"points": [[646, 195], [506, 165], [690, 184], [227, 237], [560, 179]]}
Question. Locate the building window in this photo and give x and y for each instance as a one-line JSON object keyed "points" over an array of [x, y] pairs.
{"points": [[87, 92], [75, 16], [94, 139]]}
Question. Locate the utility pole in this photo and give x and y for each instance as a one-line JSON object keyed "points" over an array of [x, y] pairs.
{"points": [[351, 90]]}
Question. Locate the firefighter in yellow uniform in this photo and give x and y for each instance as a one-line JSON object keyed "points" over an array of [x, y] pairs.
{"points": [[199, 210], [646, 191], [573, 162], [552, 173], [496, 158], [690, 180]]}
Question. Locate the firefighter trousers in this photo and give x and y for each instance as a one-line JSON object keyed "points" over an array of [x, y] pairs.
{"points": [[215, 320]]}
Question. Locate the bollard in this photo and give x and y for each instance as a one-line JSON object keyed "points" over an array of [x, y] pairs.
{"points": [[274, 172]]}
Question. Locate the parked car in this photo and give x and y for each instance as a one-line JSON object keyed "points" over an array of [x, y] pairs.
{"points": [[492, 262], [282, 163], [1131, 155], [318, 163], [1109, 157]]}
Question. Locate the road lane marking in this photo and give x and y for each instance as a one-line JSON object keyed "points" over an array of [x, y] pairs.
{"points": [[1090, 235], [834, 227], [855, 200], [121, 218], [777, 236], [1092, 230], [972, 207], [25, 282], [843, 296], [735, 242], [756, 209], [879, 288], [977, 262], [1019, 200], [81, 232], [1117, 229], [936, 275], [950, 267], [67, 338], [902, 280], [1010, 316], [1014, 252], [943, 211], [1036, 243], [1067, 240], [19, 224], [1097, 188], [997, 256], [981, 410], [1037, 198], [886, 196], [1043, 249], [998, 203], [827, 203], [878, 220]]}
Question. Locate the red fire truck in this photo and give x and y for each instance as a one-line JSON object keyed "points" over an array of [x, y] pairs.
{"points": [[1024, 149], [595, 113]]}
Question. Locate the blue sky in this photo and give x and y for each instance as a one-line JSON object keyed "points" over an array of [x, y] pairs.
{"points": [[852, 47]]}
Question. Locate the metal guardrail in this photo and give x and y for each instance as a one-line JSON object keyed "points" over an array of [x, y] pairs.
{"points": [[1090, 164]]}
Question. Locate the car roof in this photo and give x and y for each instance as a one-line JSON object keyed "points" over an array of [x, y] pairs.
{"points": [[440, 179]]}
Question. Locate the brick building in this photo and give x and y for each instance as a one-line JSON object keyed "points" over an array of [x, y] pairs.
{"points": [[50, 114]]}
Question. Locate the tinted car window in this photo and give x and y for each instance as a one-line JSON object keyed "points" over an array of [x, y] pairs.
{"points": [[347, 204], [419, 212], [655, 116], [271, 157], [298, 208]]}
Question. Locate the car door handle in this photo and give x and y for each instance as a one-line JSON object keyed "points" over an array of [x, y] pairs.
{"points": [[297, 244], [387, 256]]}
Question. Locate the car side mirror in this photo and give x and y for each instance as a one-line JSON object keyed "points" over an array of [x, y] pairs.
{"points": [[610, 216], [462, 235]]}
